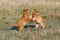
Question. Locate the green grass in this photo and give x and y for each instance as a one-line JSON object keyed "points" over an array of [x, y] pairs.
{"points": [[16, 12], [51, 32]]}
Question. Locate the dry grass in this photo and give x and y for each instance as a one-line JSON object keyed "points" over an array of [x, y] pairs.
{"points": [[11, 11]]}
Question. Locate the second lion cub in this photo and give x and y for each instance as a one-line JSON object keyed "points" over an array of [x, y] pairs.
{"points": [[38, 19]]}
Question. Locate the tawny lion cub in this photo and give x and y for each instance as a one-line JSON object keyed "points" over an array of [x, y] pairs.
{"points": [[38, 19], [23, 20]]}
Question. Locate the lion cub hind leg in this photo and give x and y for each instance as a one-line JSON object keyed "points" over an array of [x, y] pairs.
{"points": [[21, 26], [42, 23]]}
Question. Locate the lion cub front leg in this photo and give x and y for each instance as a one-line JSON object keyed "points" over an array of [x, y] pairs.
{"points": [[36, 25], [20, 28]]}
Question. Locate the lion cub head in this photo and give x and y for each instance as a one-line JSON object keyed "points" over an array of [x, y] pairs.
{"points": [[36, 13]]}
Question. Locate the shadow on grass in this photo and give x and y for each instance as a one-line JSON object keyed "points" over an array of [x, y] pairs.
{"points": [[14, 28], [26, 26]]}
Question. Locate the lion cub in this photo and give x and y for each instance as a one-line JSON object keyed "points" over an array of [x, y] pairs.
{"points": [[38, 19], [23, 20]]}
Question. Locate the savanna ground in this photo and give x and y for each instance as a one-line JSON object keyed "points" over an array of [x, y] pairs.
{"points": [[12, 10]]}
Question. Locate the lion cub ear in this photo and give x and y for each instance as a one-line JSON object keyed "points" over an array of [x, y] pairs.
{"points": [[36, 11], [25, 10]]}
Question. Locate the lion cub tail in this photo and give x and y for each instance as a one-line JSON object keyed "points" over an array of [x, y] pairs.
{"points": [[14, 25]]}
